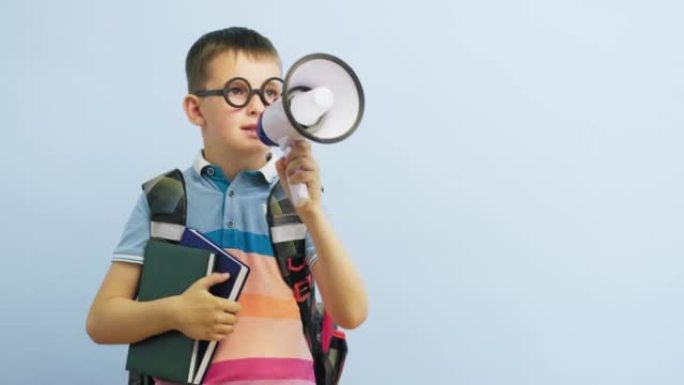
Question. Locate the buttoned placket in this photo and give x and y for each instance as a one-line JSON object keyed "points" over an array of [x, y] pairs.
{"points": [[230, 203]]}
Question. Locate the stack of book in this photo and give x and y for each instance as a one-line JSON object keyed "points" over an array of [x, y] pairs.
{"points": [[169, 269]]}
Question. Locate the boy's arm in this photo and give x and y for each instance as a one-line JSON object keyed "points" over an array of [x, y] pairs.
{"points": [[115, 317], [339, 282]]}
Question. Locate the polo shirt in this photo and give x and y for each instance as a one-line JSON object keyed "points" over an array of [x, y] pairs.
{"points": [[267, 345]]}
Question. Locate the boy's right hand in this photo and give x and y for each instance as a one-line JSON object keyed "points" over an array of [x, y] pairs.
{"points": [[201, 315]]}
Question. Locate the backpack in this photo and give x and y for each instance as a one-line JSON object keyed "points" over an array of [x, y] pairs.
{"points": [[167, 199]]}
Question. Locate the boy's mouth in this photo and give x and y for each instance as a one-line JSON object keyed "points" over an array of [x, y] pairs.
{"points": [[250, 129]]}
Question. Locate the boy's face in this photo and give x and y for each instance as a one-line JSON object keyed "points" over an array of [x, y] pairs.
{"points": [[230, 131]]}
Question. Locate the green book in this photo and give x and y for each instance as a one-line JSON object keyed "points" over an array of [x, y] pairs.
{"points": [[169, 270]]}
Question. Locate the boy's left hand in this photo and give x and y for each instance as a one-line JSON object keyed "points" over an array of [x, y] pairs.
{"points": [[300, 167]]}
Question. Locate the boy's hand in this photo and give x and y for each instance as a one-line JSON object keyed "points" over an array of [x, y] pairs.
{"points": [[300, 167], [201, 315]]}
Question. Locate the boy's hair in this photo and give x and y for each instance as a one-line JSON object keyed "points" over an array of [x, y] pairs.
{"points": [[212, 44]]}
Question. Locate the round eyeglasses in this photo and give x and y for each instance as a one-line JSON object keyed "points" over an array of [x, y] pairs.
{"points": [[238, 92]]}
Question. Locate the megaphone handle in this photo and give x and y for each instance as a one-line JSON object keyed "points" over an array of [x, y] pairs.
{"points": [[298, 191]]}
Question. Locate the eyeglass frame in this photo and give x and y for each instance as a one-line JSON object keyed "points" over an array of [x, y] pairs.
{"points": [[223, 92]]}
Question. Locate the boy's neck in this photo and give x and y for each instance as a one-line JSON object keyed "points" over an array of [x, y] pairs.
{"points": [[232, 165]]}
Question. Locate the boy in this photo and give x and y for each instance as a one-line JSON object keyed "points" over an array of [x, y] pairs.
{"points": [[227, 187]]}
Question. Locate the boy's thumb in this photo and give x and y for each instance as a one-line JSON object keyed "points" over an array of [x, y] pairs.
{"points": [[280, 166], [213, 279]]}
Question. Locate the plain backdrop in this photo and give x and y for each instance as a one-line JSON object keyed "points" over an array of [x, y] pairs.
{"points": [[512, 198]]}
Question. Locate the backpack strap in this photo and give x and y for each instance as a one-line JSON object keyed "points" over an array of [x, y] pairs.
{"points": [[288, 235], [166, 197], [167, 200]]}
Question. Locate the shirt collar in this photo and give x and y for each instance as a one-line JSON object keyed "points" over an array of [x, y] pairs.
{"points": [[269, 171]]}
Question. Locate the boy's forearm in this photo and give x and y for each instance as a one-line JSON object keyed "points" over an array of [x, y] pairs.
{"points": [[339, 282], [125, 321]]}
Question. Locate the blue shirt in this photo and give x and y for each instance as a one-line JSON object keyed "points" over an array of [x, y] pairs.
{"points": [[231, 213]]}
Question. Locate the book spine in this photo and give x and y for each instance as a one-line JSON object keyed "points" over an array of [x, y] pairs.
{"points": [[209, 352], [205, 362], [195, 346]]}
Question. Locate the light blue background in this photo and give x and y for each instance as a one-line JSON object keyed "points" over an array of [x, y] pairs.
{"points": [[513, 197]]}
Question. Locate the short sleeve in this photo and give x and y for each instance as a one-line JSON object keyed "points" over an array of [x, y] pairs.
{"points": [[131, 246]]}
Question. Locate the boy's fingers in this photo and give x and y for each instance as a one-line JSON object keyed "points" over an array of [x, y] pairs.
{"points": [[230, 306], [227, 319], [223, 329], [305, 164], [299, 148], [281, 164], [302, 176], [217, 337], [302, 145]]}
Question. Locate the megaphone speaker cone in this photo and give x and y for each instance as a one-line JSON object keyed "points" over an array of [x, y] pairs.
{"points": [[328, 73]]}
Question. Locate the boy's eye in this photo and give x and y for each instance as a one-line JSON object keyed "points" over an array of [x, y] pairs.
{"points": [[272, 89], [237, 91]]}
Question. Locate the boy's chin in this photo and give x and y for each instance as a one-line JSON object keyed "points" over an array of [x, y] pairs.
{"points": [[258, 145], [258, 149]]}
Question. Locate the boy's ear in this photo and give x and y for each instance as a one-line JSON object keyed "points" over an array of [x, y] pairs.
{"points": [[192, 110]]}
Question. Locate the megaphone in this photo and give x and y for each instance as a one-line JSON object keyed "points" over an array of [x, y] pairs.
{"points": [[322, 101]]}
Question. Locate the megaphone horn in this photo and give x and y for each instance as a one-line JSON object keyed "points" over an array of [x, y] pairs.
{"points": [[322, 101]]}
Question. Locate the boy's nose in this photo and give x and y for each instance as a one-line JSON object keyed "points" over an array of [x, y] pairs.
{"points": [[255, 105]]}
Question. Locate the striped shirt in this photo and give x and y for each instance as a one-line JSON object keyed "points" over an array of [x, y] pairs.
{"points": [[267, 346]]}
